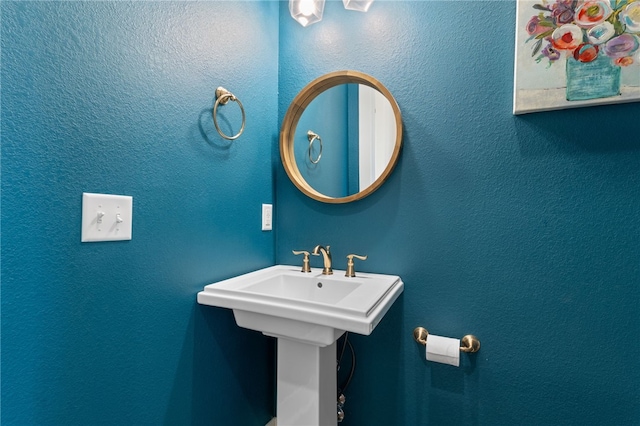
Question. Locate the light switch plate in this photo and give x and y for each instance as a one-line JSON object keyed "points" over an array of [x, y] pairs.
{"points": [[267, 217], [106, 217]]}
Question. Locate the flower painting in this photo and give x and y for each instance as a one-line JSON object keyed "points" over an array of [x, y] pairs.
{"points": [[574, 53]]}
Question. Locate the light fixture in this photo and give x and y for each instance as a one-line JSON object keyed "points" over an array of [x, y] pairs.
{"points": [[306, 12], [359, 5]]}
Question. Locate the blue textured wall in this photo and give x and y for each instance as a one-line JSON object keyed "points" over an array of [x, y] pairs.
{"points": [[116, 97], [520, 230], [513, 228]]}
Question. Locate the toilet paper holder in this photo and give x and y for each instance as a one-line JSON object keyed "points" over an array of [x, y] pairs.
{"points": [[468, 343]]}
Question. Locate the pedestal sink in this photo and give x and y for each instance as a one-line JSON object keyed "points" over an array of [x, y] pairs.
{"points": [[307, 313]]}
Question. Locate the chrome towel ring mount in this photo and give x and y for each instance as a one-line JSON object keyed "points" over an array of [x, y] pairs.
{"points": [[223, 96]]}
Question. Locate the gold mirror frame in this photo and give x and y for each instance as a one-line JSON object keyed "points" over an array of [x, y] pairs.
{"points": [[292, 117]]}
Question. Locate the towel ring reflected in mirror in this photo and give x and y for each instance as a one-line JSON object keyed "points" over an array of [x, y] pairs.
{"points": [[322, 100], [312, 136]]}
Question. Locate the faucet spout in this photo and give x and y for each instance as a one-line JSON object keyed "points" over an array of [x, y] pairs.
{"points": [[326, 255]]}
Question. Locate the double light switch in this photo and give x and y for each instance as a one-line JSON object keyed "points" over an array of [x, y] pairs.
{"points": [[106, 217]]}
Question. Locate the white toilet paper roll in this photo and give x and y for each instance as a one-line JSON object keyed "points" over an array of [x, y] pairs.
{"points": [[443, 349]]}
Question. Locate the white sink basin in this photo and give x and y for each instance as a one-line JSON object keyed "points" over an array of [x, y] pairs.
{"points": [[307, 313], [281, 301]]}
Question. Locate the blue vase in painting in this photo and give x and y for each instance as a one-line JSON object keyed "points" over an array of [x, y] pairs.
{"points": [[599, 78]]}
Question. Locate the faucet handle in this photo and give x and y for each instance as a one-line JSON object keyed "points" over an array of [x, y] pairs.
{"points": [[305, 259], [351, 272]]}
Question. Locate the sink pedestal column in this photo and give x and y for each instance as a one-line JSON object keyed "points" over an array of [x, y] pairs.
{"points": [[306, 384]]}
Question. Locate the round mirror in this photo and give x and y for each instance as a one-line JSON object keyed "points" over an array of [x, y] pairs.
{"points": [[341, 137]]}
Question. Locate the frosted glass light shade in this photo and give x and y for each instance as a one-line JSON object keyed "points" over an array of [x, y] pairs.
{"points": [[359, 5], [306, 12]]}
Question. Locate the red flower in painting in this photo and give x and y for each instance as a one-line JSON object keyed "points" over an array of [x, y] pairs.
{"points": [[586, 52]]}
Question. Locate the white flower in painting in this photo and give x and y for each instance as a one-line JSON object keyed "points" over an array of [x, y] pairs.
{"points": [[601, 33], [630, 17], [592, 13], [567, 37]]}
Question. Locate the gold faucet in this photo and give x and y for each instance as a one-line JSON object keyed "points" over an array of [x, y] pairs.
{"points": [[326, 254], [305, 259], [351, 270]]}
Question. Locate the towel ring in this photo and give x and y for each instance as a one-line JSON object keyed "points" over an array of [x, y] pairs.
{"points": [[222, 97], [312, 137]]}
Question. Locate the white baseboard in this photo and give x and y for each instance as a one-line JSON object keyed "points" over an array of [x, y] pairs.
{"points": [[273, 422]]}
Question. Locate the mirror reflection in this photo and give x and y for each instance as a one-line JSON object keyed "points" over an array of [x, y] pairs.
{"points": [[352, 139], [341, 137]]}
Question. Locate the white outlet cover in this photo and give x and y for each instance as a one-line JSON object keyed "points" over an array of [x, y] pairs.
{"points": [[106, 217]]}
